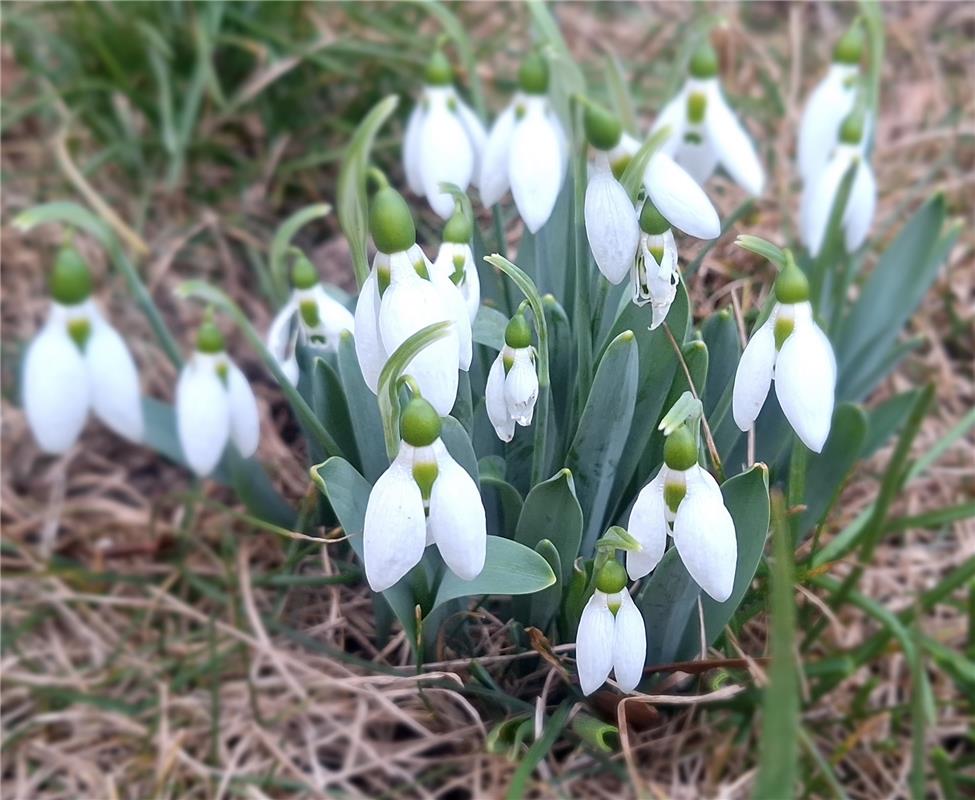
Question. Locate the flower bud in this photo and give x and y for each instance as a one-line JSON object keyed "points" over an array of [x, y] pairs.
{"points": [[652, 221], [851, 131], [419, 424], [70, 281], [603, 130], [458, 228], [303, 273], [518, 334], [533, 75], [791, 286], [438, 71], [611, 577], [391, 222], [850, 46], [704, 62], [680, 449], [208, 338]]}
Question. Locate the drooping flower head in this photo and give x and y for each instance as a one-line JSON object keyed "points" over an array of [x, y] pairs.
{"points": [[444, 139], [612, 635], [705, 133], [512, 384], [791, 349], [526, 149], [654, 272], [425, 497], [76, 363], [401, 296], [684, 501], [311, 315], [455, 260], [214, 404]]}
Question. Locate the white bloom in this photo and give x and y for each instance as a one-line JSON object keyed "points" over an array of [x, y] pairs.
{"points": [[655, 275], [611, 637], [830, 102], [791, 348], [819, 195], [320, 321], [512, 389], [214, 404], [703, 530], [526, 150], [442, 144], [400, 522], [454, 258], [612, 226], [67, 375]]}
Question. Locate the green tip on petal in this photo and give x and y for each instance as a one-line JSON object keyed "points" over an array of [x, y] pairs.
{"points": [[611, 577], [391, 222], [704, 62], [851, 131], [458, 228], [208, 337], [518, 334], [849, 48], [533, 75], [70, 281], [419, 424], [651, 220], [303, 273], [438, 71], [680, 449], [792, 285], [603, 129]]}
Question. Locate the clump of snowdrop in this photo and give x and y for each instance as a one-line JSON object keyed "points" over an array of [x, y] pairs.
{"points": [[512, 384], [526, 149], [685, 502], [612, 636], [791, 348], [402, 295], [830, 102], [704, 131], [76, 363], [821, 191], [444, 139], [424, 498], [455, 260], [214, 404], [311, 315]]}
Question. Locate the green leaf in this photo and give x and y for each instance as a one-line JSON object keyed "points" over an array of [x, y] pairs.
{"points": [[632, 177], [254, 488], [720, 333], [509, 569], [458, 444], [552, 728], [363, 407], [604, 432], [502, 502], [67, 213], [763, 248], [543, 605], [489, 325], [551, 511], [826, 472], [619, 92], [668, 602], [353, 203], [328, 401], [282, 241]]}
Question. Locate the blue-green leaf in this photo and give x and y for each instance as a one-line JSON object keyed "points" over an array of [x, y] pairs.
{"points": [[363, 407], [489, 325], [826, 472], [552, 511]]}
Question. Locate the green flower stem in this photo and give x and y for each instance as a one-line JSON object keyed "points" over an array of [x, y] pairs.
{"points": [[542, 406], [214, 296], [581, 311], [797, 484]]}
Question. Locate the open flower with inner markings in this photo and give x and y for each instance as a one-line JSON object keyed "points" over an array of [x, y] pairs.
{"points": [[512, 384], [455, 261], [654, 272], [76, 363]]}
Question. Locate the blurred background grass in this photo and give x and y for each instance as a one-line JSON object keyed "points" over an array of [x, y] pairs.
{"points": [[157, 644]]}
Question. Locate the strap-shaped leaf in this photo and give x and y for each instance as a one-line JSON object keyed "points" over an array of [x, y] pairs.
{"points": [[552, 511], [282, 241], [632, 177], [826, 472], [488, 329], [367, 423]]}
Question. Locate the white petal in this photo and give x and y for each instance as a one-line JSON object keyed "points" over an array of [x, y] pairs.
{"points": [[805, 383], [521, 387], [494, 179], [411, 148], [394, 535], [828, 105], [368, 343], [594, 643], [462, 321], [672, 116], [471, 285], [816, 204], [476, 134], [55, 388], [698, 160], [629, 644], [704, 535], [245, 422], [278, 337], [446, 154], [202, 414], [648, 525], [662, 280], [680, 199], [611, 225], [734, 147], [114, 382], [535, 166], [754, 376], [333, 319], [494, 402], [457, 518], [860, 207]]}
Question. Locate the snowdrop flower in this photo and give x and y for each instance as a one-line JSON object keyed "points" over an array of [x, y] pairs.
{"points": [[612, 635], [612, 220], [704, 131], [76, 363], [819, 194], [526, 149], [425, 497], [320, 317], [512, 384], [683, 500], [654, 270], [444, 139], [455, 261], [402, 295], [830, 102], [214, 404], [791, 348]]}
